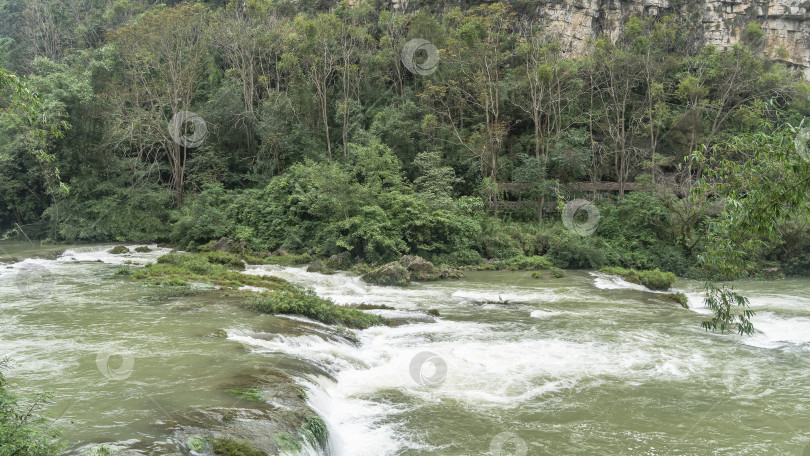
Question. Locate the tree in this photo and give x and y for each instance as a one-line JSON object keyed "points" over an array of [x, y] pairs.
{"points": [[244, 37], [763, 180], [318, 56], [163, 55], [477, 51]]}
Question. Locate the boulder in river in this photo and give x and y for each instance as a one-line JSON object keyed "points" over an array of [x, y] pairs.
{"points": [[320, 267], [418, 267], [388, 274], [339, 261], [424, 270]]}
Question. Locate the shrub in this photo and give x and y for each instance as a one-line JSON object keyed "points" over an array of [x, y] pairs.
{"points": [[300, 301], [22, 431], [654, 280]]}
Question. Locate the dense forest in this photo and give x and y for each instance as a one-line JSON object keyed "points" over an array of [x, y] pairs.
{"points": [[456, 133]]}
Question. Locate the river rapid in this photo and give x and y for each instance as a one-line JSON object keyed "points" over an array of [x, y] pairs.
{"points": [[514, 365]]}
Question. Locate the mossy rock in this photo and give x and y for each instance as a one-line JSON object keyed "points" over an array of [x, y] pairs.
{"points": [[320, 267], [391, 274], [314, 429], [248, 394], [293, 300], [654, 279], [143, 249], [197, 443], [419, 268], [287, 442], [118, 250], [340, 261], [229, 447], [680, 298]]}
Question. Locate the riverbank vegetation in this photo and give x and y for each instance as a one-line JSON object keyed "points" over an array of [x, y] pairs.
{"points": [[319, 142], [23, 431]]}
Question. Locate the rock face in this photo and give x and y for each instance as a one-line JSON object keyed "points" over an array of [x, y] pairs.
{"points": [[786, 23]]}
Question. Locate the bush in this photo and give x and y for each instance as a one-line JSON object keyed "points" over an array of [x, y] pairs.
{"points": [[654, 280], [22, 431], [299, 301], [182, 268]]}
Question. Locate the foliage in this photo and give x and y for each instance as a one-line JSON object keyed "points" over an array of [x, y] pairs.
{"points": [[178, 269], [654, 280], [23, 431], [299, 301]]}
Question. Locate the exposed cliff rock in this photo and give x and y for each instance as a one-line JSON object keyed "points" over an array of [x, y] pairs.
{"points": [[786, 23]]}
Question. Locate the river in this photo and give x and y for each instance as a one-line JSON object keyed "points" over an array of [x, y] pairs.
{"points": [[514, 365]]}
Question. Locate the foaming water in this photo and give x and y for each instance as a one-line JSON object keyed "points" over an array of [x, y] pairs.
{"points": [[583, 364]]}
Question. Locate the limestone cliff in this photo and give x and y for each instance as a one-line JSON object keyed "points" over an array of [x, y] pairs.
{"points": [[786, 23]]}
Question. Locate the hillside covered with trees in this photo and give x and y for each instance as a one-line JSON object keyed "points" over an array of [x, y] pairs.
{"points": [[319, 136]]}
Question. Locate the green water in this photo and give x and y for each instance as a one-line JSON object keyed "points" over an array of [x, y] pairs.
{"points": [[580, 365]]}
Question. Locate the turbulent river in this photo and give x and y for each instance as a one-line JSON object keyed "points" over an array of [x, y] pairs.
{"points": [[586, 364]]}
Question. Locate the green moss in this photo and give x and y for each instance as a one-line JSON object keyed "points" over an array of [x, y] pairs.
{"points": [[196, 443], [299, 301], [228, 447], [248, 394], [680, 298], [654, 280], [143, 249], [229, 260], [118, 250], [287, 442], [165, 292], [211, 267], [314, 429]]}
